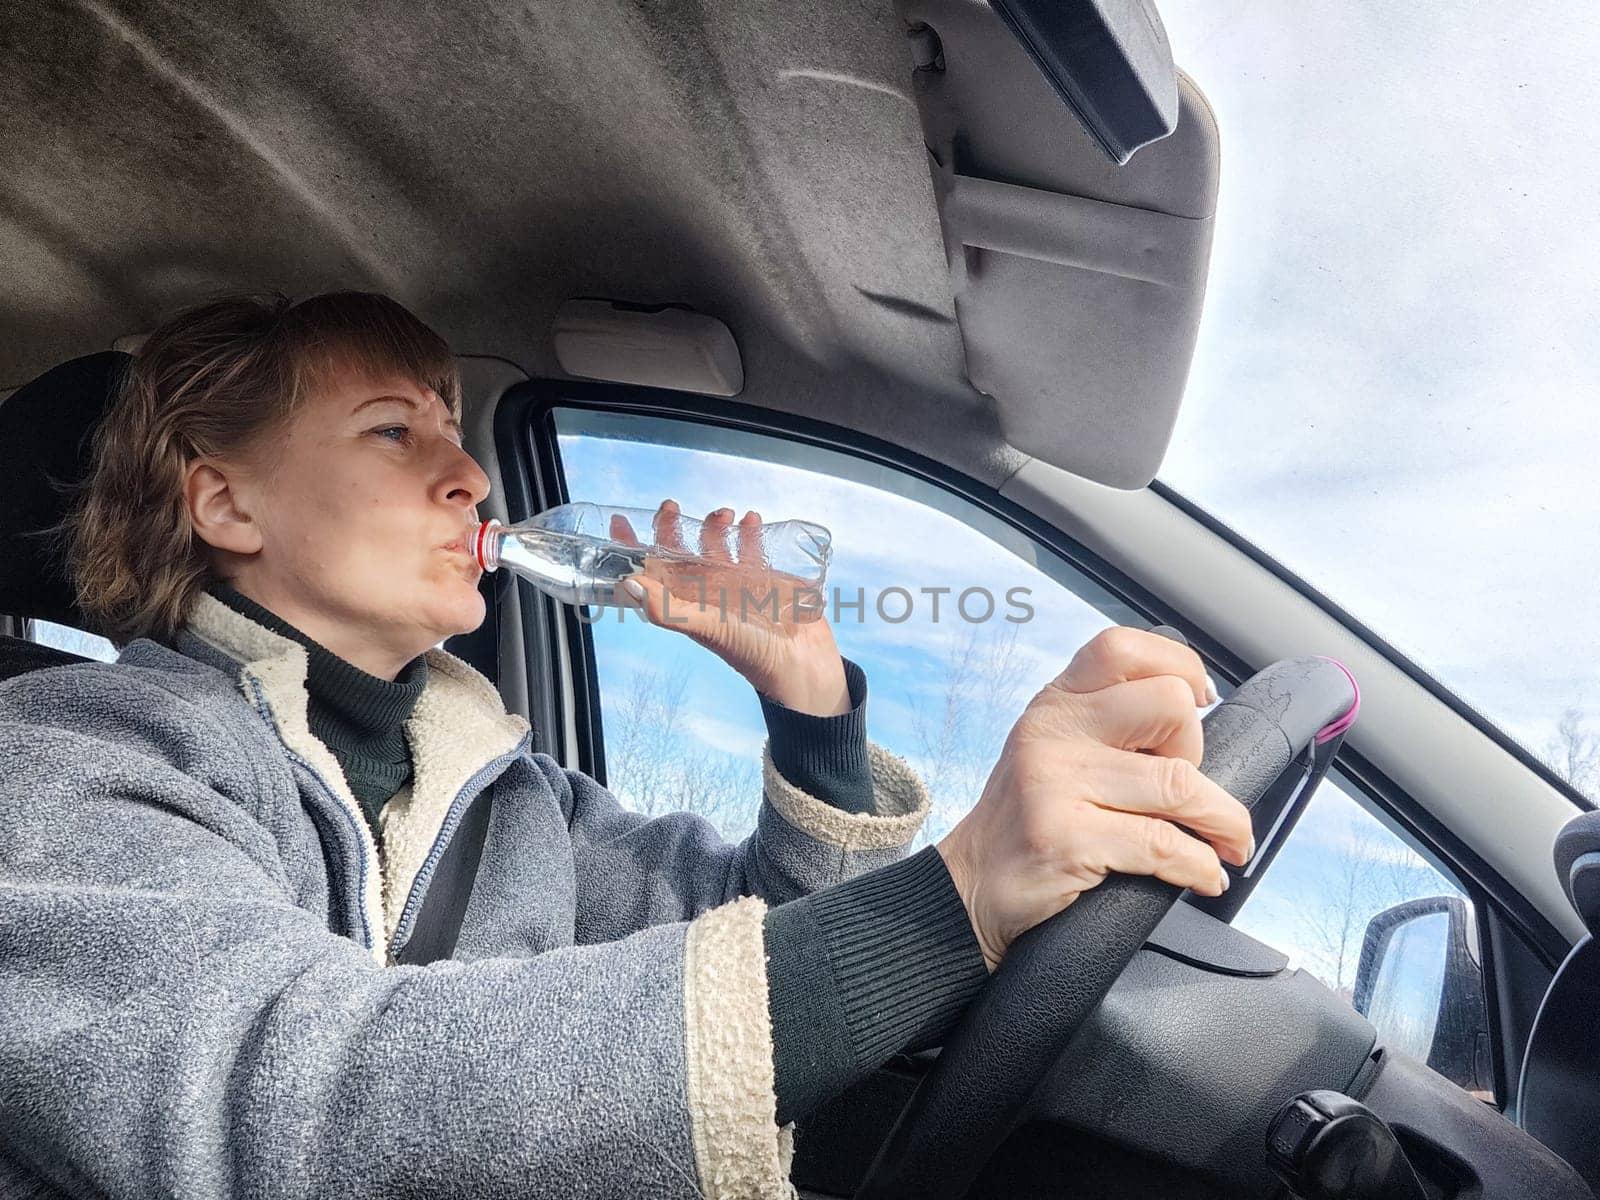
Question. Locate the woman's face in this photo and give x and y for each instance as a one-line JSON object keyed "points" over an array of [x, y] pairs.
{"points": [[355, 523]]}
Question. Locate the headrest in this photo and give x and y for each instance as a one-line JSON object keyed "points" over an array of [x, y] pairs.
{"points": [[44, 448], [1577, 856]]}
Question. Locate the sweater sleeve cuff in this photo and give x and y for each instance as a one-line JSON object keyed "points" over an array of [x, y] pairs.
{"points": [[825, 756], [861, 970], [738, 1149]]}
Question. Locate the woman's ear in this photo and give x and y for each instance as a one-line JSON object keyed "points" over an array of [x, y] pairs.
{"points": [[216, 509]]}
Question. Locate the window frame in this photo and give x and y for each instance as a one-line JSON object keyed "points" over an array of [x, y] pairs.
{"points": [[534, 480]]}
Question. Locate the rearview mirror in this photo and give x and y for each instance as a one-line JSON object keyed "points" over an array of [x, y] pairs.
{"points": [[1420, 984], [1109, 60]]}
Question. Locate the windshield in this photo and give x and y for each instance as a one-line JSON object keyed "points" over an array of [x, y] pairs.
{"points": [[1396, 391]]}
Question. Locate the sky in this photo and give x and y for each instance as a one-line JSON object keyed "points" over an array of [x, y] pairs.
{"points": [[1396, 389], [883, 541]]}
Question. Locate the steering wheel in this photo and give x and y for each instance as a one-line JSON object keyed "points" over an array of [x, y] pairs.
{"points": [[1055, 975]]}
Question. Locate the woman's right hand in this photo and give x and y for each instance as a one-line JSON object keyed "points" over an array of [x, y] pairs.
{"points": [[1072, 797]]}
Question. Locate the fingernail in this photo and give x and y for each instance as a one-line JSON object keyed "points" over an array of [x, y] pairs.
{"points": [[635, 589], [1250, 854], [1212, 696], [1227, 881]]}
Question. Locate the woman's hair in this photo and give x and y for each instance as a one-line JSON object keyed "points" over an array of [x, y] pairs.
{"points": [[214, 381]]}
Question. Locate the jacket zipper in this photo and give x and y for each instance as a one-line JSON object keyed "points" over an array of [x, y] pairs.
{"points": [[357, 822], [447, 829]]}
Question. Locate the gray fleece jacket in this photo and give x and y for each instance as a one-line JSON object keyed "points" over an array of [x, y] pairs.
{"points": [[198, 994]]}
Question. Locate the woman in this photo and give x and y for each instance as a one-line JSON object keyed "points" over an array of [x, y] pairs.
{"points": [[221, 966]]}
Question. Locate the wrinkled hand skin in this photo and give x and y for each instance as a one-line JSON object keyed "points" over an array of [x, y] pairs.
{"points": [[786, 650], [1096, 777]]}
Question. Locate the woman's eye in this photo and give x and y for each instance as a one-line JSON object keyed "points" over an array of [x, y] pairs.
{"points": [[395, 433]]}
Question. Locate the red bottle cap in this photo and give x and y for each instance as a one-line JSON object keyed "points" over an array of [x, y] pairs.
{"points": [[480, 543]]}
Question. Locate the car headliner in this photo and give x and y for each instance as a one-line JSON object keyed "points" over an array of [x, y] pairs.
{"points": [[760, 160]]}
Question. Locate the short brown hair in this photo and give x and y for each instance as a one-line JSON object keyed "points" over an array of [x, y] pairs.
{"points": [[211, 382]]}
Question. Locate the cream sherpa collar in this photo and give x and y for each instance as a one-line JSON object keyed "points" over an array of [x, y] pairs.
{"points": [[459, 726]]}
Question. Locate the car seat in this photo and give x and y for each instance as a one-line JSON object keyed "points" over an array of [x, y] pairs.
{"points": [[45, 447]]}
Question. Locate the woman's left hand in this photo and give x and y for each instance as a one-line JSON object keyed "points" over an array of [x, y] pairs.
{"points": [[786, 656]]}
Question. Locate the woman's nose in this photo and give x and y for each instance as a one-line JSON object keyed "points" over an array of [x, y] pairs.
{"points": [[462, 480]]}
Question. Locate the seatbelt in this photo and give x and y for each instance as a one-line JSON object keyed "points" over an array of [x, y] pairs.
{"points": [[445, 906]]}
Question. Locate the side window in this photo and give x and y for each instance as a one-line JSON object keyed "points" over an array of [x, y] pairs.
{"points": [[73, 641], [1354, 904], [956, 618]]}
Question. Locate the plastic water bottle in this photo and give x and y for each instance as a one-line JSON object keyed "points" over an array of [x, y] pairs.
{"points": [[579, 553]]}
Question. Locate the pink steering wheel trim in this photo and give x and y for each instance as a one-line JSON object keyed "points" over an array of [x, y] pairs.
{"points": [[1329, 732]]}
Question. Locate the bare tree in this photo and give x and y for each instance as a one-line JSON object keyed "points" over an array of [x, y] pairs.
{"points": [[960, 733], [642, 735], [1372, 872], [655, 768], [1574, 752], [1336, 918]]}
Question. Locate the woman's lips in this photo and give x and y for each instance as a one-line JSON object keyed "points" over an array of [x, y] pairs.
{"points": [[463, 544]]}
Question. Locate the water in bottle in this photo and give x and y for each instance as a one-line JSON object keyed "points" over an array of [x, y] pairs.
{"points": [[579, 553]]}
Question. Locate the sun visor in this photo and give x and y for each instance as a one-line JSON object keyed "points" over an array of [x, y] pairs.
{"points": [[1078, 283]]}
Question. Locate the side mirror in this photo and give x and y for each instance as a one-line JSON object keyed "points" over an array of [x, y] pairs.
{"points": [[1421, 985]]}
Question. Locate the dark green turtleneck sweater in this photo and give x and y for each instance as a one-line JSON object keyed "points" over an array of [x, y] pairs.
{"points": [[855, 972], [360, 717]]}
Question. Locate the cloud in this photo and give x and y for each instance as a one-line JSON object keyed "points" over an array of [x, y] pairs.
{"points": [[726, 737], [1396, 389]]}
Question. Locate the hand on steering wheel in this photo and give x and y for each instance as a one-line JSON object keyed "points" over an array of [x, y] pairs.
{"points": [[1072, 798], [1056, 973]]}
